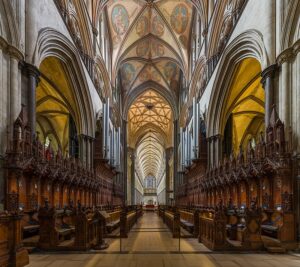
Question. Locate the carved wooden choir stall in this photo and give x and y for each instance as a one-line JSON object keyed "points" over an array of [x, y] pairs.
{"points": [[246, 202], [54, 202]]}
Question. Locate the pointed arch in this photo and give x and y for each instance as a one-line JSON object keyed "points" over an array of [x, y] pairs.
{"points": [[9, 28], [247, 45], [51, 43]]}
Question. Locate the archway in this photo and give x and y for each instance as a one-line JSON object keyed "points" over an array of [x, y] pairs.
{"points": [[150, 132], [243, 113], [58, 115]]}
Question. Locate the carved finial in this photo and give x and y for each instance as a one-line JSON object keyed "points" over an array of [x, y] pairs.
{"points": [[46, 203], [274, 119]]}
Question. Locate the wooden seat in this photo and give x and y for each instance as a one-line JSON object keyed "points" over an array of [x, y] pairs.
{"points": [[29, 224], [187, 220], [112, 220]]}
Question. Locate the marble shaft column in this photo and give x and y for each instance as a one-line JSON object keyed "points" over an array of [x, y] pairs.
{"points": [[33, 80], [268, 84], [297, 196], [194, 128], [125, 161], [132, 174], [104, 132], [175, 142], [107, 145], [298, 100], [168, 156], [197, 130]]}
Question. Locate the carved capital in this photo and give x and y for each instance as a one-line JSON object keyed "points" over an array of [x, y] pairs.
{"points": [[285, 56], [30, 70], [3, 43], [269, 72], [15, 53], [296, 47]]}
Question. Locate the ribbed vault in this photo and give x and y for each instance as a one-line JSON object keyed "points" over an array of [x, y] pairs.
{"points": [[149, 41], [149, 130]]}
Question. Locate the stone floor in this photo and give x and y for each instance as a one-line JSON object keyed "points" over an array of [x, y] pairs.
{"points": [[150, 234], [150, 244]]}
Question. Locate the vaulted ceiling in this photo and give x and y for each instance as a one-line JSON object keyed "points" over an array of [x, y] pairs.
{"points": [[150, 51], [150, 127], [149, 41]]}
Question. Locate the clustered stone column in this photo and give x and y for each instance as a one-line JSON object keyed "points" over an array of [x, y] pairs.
{"points": [[106, 129], [289, 112], [214, 150], [86, 144]]}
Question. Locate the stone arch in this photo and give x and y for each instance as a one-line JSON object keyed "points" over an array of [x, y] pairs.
{"points": [[9, 29], [223, 21], [100, 64], [247, 45], [51, 43], [291, 26], [199, 77], [217, 19], [77, 19]]}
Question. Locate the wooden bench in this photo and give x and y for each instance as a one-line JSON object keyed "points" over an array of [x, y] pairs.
{"points": [[187, 220], [113, 220], [129, 216], [279, 225], [172, 220], [232, 224], [30, 224], [87, 233], [212, 229], [55, 227]]}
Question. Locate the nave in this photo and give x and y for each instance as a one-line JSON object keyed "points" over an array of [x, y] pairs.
{"points": [[131, 128]]}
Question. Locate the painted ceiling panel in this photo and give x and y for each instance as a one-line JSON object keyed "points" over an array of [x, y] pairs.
{"points": [[169, 70], [151, 47], [129, 71], [121, 15], [151, 31], [178, 15], [150, 73]]}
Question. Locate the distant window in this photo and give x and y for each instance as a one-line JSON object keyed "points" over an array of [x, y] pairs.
{"points": [[253, 143], [47, 142]]}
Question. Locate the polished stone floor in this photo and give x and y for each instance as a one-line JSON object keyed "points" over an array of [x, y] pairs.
{"points": [[150, 234], [150, 244]]}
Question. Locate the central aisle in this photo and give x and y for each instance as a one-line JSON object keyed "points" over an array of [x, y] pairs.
{"points": [[150, 234]]}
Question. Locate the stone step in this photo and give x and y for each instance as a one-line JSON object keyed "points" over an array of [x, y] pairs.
{"points": [[276, 249], [271, 242], [30, 249]]}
